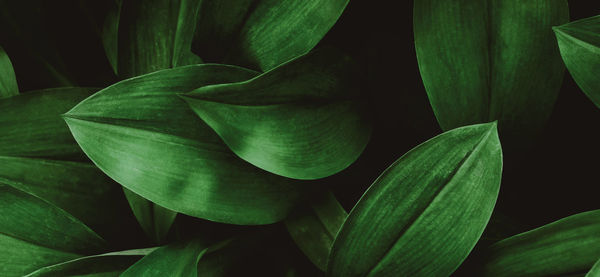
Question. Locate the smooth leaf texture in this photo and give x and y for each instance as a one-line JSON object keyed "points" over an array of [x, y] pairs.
{"points": [[31, 126], [595, 271], [103, 265], [274, 31], [490, 60], [159, 149], [301, 120], [110, 35], [154, 219], [8, 81], [177, 259], [34, 233], [314, 228], [568, 246], [425, 213], [579, 44], [155, 34]]}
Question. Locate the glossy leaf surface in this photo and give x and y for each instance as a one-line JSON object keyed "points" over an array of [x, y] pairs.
{"points": [[567, 246], [579, 44], [490, 60], [162, 151], [177, 259], [8, 81], [425, 213], [301, 120]]}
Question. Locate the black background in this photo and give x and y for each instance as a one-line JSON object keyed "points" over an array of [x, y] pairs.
{"points": [[556, 177]]}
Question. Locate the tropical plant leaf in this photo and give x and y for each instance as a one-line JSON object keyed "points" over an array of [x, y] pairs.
{"points": [[110, 35], [154, 219], [490, 60], [425, 213], [162, 151], [300, 120], [34, 233], [31, 126], [154, 35], [595, 271], [103, 265], [177, 259], [579, 44], [567, 246], [314, 228], [276, 31], [8, 81]]}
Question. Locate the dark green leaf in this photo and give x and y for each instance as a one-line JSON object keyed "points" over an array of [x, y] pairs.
{"points": [[31, 126], [34, 233], [159, 149], [177, 259], [301, 120], [490, 60], [154, 219], [568, 246], [314, 228], [155, 34], [103, 265], [595, 271], [579, 44], [425, 213], [8, 81], [110, 35]]}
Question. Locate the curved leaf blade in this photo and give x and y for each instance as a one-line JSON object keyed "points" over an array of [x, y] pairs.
{"points": [[162, 151], [8, 81], [278, 30], [490, 60], [567, 246], [579, 44], [154, 219], [425, 213], [300, 120], [177, 259], [595, 271]]}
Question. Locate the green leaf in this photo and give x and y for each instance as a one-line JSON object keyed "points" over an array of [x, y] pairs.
{"points": [[34, 233], [31, 126], [154, 219], [278, 30], [177, 259], [425, 213], [8, 81], [301, 120], [103, 265], [110, 35], [314, 228], [159, 149], [595, 271], [490, 60], [567, 246], [579, 43], [155, 34]]}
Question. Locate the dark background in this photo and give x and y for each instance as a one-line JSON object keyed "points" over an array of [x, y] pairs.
{"points": [[556, 177]]}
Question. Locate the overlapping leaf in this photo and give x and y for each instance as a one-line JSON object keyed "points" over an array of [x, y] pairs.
{"points": [[159, 149], [314, 228], [154, 219], [177, 259], [579, 44], [425, 213], [567, 246], [8, 81], [595, 271], [490, 60], [263, 34], [301, 120]]}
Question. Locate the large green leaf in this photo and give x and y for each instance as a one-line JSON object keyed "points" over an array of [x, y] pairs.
{"points": [[154, 219], [31, 126], [263, 34], [490, 60], [102, 265], [568, 246], [154, 35], [301, 120], [8, 81], [579, 44], [425, 213], [177, 259], [314, 228], [159, 149], [34, 233]]}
